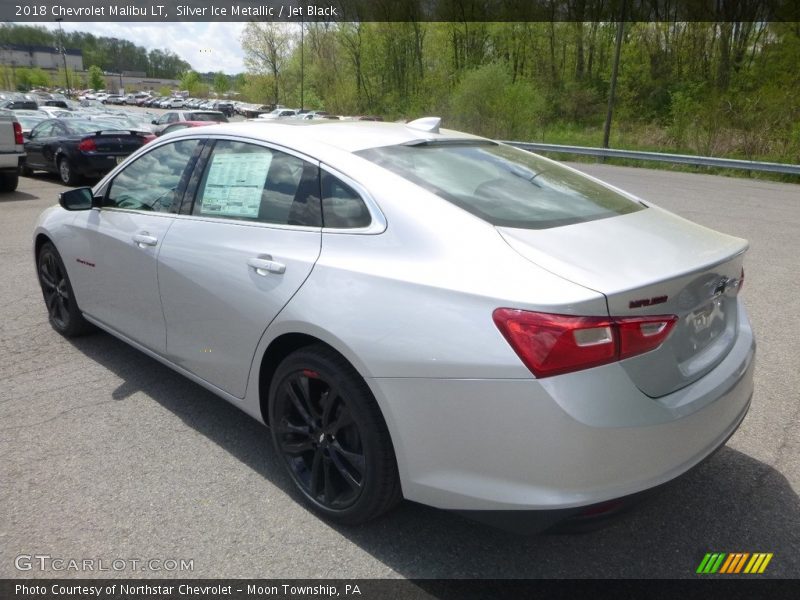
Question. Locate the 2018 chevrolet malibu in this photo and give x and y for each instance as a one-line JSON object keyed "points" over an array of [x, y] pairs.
{"points": [[416, 313]]}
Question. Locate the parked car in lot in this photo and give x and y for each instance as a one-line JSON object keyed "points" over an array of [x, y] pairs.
{"points": [[177, 126], [278, 113], [30, 119], [77, 148], [415, 312], [16, 101], [176, 116], [12, 153], [172, 103], [150, 102]]}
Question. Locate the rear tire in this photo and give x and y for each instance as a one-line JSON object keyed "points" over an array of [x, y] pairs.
{"points": [[66, 173], [62, 309], [331, 437], [9, 182]]}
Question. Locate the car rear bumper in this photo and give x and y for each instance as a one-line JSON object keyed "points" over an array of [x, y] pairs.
{"points": [[523, 444], [12, 160], [97, 165]]}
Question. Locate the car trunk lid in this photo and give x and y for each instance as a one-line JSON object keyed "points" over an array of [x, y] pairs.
{"points": [[652, 262], [117, 143]]}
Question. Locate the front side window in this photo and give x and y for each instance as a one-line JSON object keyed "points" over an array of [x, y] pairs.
{"points": [[503, 185], [155, 180], [248, 182]]}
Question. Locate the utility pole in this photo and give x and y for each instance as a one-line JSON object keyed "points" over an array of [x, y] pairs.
{"points": [[302, 61], [613, 85], [63, 53]]}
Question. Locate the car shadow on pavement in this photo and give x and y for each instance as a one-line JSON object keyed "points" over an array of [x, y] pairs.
{"points": [[17, 196], [730, 503]]}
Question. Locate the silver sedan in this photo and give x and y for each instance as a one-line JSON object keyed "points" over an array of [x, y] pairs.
{"points": [[414, 312]]}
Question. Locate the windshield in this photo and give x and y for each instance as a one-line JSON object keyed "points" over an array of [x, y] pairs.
{"points": [[502, 185]]}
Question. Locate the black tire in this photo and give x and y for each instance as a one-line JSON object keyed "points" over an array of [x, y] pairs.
{"points": [[26, 171], [331, 437], [9, 182], [66, 172], [62, 309]]}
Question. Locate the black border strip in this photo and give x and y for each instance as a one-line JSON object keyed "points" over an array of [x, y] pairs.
{"points": [[41, 11]]}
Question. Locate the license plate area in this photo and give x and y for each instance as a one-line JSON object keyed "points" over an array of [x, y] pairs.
{"points": [[702, 326]]}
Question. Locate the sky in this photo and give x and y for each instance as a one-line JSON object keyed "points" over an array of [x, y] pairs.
{"points": [[206, 46]]}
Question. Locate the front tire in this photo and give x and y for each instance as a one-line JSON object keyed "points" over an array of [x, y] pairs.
{"points": [[331, 437], [62, 309]]}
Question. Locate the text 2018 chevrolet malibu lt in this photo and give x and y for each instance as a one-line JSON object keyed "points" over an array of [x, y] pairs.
{"points": [[416, 313]]}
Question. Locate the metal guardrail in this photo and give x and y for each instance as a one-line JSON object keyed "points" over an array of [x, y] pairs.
{"points": [[705, 161]]}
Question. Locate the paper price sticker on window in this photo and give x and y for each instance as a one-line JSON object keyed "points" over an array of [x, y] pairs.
{"points": [[235, 183]]}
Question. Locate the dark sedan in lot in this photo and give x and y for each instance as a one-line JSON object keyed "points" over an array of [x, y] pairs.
{"points": [[78, 148]]}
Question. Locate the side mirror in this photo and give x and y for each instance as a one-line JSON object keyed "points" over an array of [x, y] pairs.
{"points": [[26, 135], [154, 121], [77, 199]]}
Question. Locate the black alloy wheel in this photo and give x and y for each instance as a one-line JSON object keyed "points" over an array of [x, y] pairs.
{"points": [[331, 436], [62, 310]]}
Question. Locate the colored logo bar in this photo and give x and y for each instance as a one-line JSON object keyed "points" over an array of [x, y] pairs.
{"points": [[734, 562]]}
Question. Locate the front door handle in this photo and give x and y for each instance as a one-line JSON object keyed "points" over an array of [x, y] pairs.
{"points": [[144, 239], [265, 266]]}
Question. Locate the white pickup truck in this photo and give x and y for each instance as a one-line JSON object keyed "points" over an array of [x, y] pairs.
{"points": [[12, 153]]}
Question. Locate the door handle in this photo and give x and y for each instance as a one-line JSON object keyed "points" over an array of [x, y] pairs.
{"points": [[144, 239], [265, 266]]}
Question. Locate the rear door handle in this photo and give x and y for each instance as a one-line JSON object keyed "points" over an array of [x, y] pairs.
{"points": [[144, 239], [265, 266]]}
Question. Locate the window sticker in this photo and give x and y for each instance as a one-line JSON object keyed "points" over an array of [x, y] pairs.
{"points": [[234, 185]]}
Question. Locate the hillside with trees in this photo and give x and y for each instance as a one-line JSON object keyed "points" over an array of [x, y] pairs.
{"points": [[725, 89], [109, 54]]}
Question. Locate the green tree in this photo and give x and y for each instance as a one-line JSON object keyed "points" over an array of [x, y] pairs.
{"points": [[190, 81], [267, 47], [221, 83], [96, 79]]}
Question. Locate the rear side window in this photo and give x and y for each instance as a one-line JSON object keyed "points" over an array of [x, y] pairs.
{"points": [[503, 185], [342, 207], [43, 130], [248, 182]]}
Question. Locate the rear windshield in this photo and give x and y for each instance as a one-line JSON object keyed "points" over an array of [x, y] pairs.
{"points": [[503, 185], [79, 127], [208, 116]]}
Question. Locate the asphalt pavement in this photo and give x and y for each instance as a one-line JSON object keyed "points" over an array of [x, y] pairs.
{"points": [[106, 454]]}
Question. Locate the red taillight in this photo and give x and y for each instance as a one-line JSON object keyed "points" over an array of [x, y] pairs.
{"points": [[638, 335], [554, 344], [87, 145], [18, 139]]}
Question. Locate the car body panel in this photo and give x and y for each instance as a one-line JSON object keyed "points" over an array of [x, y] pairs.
{"points": [[204, 285], [523, 445], [122, 283]]}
